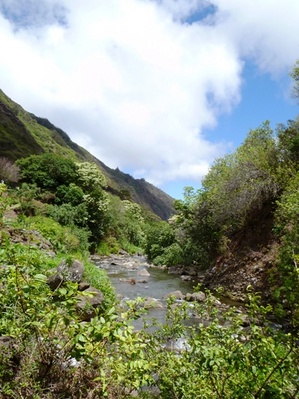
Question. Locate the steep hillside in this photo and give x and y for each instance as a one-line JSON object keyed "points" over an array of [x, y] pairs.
{"points": [[249, 259], [15, 140], [140, 191], [24, 134]]}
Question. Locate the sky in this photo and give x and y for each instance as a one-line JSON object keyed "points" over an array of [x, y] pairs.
{"points": [[157, 88]]}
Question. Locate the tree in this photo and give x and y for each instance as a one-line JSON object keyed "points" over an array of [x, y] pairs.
{"points": [[288, 142], [47, 171], [243, 181], [132, 223], [236, 186], [92, 181], [295, 75], [195, 228], [90, 176], [162, 247]]}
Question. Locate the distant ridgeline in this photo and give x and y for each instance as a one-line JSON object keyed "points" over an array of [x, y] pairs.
{"points": [[23, 134]]}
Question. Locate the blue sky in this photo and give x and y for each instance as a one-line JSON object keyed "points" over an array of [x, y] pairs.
{"points": [[157, 88], [262, 98]]}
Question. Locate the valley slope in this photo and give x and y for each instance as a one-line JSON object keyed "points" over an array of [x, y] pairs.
{"points": [[23, 134]]}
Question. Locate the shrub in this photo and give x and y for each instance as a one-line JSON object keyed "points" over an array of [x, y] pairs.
{"points": [[286, 280], [47, 171], [52, 353], [71, 194], [63, 239], [171, 255], [99, 279], [69, 215], [107, 246]]}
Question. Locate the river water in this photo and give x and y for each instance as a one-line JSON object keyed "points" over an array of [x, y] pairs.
{"points": [[125, 273]]}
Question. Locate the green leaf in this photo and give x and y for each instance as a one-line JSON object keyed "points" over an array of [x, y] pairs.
{"points": [[40, 277]]}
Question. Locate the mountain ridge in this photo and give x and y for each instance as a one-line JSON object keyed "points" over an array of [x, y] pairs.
{"points": [[23, 134]]}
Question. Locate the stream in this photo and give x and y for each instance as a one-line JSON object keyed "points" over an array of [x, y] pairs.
{"points": [[128, 275], [133, 276]]}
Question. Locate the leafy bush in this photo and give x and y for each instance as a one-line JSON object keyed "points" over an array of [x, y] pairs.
{"points": [[69, 215], [98, 278], [286, 280], [48, 170], [226, 362], [71, 194], [107, 246], [171, 255], [236, 187], [52, 353], [242, 182], [63, 239], [161, 245]]}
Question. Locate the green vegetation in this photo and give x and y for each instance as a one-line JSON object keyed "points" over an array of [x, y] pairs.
{"points": [[74, 195], [62, 210], [51, 353], [23, 134]]}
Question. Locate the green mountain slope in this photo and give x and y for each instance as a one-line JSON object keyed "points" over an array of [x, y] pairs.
{"points": [[23, 134], [15, 140]]}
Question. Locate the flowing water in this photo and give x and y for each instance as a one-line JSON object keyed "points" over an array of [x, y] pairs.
{"points": [[124, 273], [133, 277]]}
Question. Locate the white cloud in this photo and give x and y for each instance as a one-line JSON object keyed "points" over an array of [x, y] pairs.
{"points": [[132, 81], [266, 31]]}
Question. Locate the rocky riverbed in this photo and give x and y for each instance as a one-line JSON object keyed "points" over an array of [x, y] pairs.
{"points": [[133, 277]]}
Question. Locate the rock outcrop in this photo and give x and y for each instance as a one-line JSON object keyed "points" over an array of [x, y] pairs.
{"points": [[89, 299]]}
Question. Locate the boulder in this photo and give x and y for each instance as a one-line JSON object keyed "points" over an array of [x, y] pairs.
{"points": [[123, 252], [66, 272], [152, 303], [87, 304], [143, 272], [131, 281], [175, 270], [186, 277], [196, 297], [130, 265], [176, 294], [83, 285], [55, 281]]}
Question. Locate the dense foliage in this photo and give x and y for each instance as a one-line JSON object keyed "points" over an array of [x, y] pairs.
{"points": [[47, 351], [74, 195], [53, 354]]}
